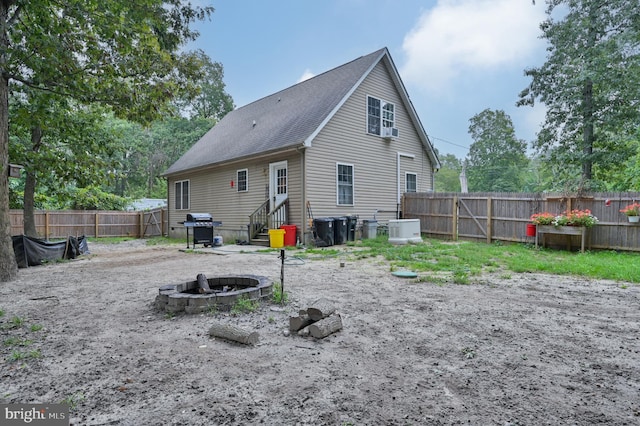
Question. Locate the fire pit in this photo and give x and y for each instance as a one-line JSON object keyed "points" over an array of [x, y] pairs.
{"points": [[220, 293]]}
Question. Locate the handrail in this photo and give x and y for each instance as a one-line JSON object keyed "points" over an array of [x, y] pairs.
{"points": [[262, 217], [258, 219], [279, 215]]}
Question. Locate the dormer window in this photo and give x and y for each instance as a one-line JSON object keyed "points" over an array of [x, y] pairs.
{"points": [[380, 114]]}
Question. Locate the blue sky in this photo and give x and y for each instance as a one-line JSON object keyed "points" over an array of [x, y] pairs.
{"points": [[455, 57]]}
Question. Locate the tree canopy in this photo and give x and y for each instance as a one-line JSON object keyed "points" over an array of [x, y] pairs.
{"points": [[590, 85], [124, 54], [496, 157]]}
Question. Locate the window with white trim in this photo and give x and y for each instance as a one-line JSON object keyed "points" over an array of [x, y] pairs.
{"points": [[410, 182], [182, 195], [379, 114], [344, 184], [242, 180]]}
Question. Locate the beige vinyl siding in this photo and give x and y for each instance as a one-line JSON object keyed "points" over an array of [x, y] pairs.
{"points": [[211, 192], [345, 140]]}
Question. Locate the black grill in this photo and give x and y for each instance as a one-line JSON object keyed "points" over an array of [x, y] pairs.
{"points": [[202, 225]]}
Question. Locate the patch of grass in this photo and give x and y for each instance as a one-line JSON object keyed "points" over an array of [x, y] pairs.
{"points": [[35, 328], [17, 355], [443, 256], [278, 295], [15, 322], [110, 240], [460, 277], [243, 305], [1, 313], [16, 341], [73, 400]]}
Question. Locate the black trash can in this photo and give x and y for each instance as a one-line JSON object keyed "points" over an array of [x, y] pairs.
{"points": [[323, 231], [352, 223], [340, 230]]}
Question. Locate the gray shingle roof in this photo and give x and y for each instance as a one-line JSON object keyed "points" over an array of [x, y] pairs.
{"points": [[279, 121]]}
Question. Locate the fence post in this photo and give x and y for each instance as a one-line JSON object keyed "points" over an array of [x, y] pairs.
{"points": [[162, 219], [46, 225], [141, 224], [454, 225], [96, 222], [489, 221]]}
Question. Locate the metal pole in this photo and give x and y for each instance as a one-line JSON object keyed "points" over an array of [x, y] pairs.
{"points": [[282, 256]]}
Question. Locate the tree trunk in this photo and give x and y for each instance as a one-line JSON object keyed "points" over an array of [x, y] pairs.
{"points": [[30, 188], [8, 264]]}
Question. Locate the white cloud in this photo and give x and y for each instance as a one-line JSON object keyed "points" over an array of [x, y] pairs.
{"points": [[306, 75], [460, 36]]}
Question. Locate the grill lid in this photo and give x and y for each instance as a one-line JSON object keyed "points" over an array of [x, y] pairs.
{"points": [[199, 217]]}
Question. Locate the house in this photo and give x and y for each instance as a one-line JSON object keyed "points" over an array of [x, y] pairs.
{"points": [[347, 142]]}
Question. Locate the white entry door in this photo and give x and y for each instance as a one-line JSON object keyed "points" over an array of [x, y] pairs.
{"points": [[278, 183]]}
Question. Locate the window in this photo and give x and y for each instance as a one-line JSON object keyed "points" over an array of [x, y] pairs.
{"points": [[345, 184], [379, 114], [182, 195], [242, 179], [411, 182]]}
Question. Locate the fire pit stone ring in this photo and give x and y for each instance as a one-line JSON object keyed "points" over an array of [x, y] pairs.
{"points": [[225, 292]]}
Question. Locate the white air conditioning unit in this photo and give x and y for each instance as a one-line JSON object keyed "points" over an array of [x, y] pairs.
{"points": [[389, 132], [403, 231]]}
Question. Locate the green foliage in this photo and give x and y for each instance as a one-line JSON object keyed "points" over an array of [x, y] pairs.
{"points": [[73, 400], [448, 177], [278, 295], [125, 55], [590, 85], [496, 158], [243, 305], [463, 260], [150, 151], [93, 198]]}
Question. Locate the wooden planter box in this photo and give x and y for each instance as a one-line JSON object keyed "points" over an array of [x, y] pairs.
{"points": [[563, 230]]}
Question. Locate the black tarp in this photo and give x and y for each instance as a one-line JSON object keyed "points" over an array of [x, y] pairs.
{"points": [[33, 251]]}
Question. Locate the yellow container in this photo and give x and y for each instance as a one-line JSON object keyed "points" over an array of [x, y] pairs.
{"points": [[276, 238]]}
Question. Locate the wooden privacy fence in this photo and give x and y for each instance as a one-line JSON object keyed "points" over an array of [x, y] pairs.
{"points": [[93, 223], [494, 216]]}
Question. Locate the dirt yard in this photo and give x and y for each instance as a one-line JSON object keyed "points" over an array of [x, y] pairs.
{"points": [[504, 350]]}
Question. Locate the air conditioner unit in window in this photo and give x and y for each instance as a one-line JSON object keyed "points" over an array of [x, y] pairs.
{"points": [[389, 132]]}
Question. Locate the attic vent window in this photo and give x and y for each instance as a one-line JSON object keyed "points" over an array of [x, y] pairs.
{"points": [[380, 116]]}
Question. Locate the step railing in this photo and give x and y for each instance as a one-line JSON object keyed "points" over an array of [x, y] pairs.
{"points": [[262, 218]]}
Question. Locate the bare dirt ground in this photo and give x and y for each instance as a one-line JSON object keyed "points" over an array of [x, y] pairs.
{"points": [[519, 350]]}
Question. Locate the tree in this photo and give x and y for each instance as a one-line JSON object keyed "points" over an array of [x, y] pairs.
{"points": [[58, 143], [150, 150], [448, 177], [117, 52], [590, 84], [496, 158], [212, 101]]}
